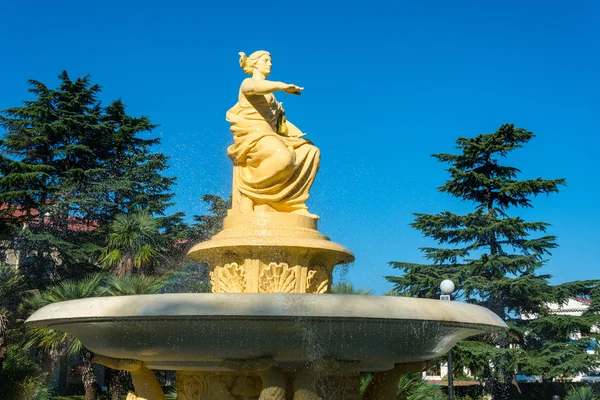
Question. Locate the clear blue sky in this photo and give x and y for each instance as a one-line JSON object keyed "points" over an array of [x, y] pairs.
{"points": [[387, 83]]}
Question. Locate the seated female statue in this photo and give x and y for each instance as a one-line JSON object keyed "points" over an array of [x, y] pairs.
{"points": [[274, 167]]}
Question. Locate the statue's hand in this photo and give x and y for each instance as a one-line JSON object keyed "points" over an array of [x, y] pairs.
{"points": [[293, 89]]}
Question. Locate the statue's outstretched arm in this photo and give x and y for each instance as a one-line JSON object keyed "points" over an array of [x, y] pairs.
{"points": [[252, 86]]}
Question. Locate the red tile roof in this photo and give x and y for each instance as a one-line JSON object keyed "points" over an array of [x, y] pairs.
{"points": [[583, 300], [32, 216]]}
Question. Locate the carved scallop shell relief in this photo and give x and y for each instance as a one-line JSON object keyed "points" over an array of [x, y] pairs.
{"points": [[277, 278], [230, 278]]}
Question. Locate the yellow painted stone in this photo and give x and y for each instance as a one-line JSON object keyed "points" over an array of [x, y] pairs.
{"points": [[144, 381], [265, 252], [269, 242], [274, 166]]}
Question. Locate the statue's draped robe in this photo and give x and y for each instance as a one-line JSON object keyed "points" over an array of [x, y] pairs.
{"points": [[285, 187]]}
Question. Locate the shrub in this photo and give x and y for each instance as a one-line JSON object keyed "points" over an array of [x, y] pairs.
{"points": [[21, 378], [426, 391], [581, 393]]}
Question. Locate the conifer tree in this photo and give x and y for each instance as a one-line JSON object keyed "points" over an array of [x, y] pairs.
{"points": [[68, 167], [492, 256], [206, 226]]}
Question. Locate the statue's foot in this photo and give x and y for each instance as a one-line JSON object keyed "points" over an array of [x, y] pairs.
{"points": [[305, 212]]}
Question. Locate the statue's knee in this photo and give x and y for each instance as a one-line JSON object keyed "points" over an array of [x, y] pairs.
{"points": [[284, 158]]}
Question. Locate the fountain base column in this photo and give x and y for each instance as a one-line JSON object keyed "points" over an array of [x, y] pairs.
{"points": [[203, 385], [309, 386], [384, 384], [144, 381], [274, 385], [270, 252]]}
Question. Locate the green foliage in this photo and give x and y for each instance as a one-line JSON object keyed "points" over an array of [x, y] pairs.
{"points": [[191, 277], [426, 391], [57, 342], [412, 387], [95, 285], [21, 378], [68, 167], [134, 243], [581, 393], [493, 257], [348, 288], [19, 365], [11, 285], [206, 226], [365, 379], [171, 394], [51, 340], [488, 231], [79, 184], [135, 285]]}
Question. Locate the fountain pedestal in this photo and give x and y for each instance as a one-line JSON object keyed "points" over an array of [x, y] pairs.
{"points": [[270, 252]]}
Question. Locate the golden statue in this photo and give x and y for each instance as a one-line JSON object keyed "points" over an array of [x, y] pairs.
{"points": [[274, 167]]}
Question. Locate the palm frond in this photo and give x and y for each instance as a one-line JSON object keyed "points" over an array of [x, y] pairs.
{"points": [[52, 341], [135, 285], [134, 241], [581, 393], [90, 286]]}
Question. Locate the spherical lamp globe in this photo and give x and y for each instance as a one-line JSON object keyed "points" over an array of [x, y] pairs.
{"points": [[447, 286]]}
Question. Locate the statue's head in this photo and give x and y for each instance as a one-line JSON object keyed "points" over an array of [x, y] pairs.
{"points": [[259, 60]]}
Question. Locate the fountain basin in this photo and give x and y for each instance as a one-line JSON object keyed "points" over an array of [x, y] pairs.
{"points": [[233, 332]]}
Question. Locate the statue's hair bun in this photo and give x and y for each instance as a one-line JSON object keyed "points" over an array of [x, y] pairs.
{"points": [[243, 59], [247, 64]]}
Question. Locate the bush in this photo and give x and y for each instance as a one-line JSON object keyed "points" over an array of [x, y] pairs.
{"points": [[414, 388], [68, 398], [426, 391], [581, 393], [21, 378]]}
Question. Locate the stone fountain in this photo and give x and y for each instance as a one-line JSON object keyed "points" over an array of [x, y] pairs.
{"points": [[269, 330]]}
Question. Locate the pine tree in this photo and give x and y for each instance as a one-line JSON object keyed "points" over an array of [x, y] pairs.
{"points": [[206, 226], [491, 255], [68, 167], [139, 184], [45, 156]]}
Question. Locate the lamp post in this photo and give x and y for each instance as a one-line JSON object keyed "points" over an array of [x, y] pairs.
{"points": [[447, 287]]}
